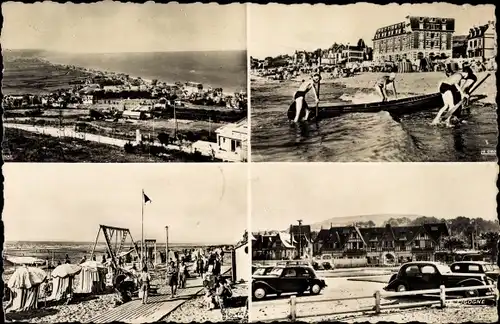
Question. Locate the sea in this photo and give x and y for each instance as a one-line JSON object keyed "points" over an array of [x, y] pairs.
{"points": [[225, 69], [364, 137], [57, 250]]}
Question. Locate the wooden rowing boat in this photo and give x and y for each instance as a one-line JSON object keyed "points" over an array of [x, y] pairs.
{"points": [[394, 107], [398, 107]]}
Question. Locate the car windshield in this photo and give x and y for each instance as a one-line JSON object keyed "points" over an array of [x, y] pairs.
{"points": [[276, 272], [443, 268], [490, 267], [260, 271]]}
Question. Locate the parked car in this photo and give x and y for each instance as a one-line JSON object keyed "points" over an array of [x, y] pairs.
{"points": [[424, 275], [287, 279], [491, 270], [293, 262], [324, 262]]}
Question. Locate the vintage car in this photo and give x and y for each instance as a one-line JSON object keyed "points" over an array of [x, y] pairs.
{"points": [[491, 270], [422, 275], [287, 279]]}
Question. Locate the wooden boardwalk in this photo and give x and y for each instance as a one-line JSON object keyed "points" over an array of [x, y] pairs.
{"points": [[157, 307]]}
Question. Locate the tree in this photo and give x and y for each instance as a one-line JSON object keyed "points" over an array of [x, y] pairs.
{"points": [[361, 43], [453, 243]]}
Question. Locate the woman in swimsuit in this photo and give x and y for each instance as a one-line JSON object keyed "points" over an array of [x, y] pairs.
{"points": [[383, 82], [300, 95], [454, 89]]}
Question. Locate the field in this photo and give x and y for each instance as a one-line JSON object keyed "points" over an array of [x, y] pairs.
{"points": [[23, 146], [31, 75]]}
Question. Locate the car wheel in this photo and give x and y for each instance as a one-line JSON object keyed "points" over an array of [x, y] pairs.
{"points": [[315, 289], [401, 288], [471, 293], [259, 293]]}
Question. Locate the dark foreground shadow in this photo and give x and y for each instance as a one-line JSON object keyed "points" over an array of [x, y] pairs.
{"points": [[30, 315]]}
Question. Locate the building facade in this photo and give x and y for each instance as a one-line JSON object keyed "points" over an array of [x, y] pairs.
{"points": [[273, 246], [232, 140], [382, 244], [482, 42], [459, 46], [414, 38]]}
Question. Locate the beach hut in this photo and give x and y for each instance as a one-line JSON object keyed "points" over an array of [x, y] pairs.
{"points": [[91, 279], [62, 280], [240, 259], [25, 286]]}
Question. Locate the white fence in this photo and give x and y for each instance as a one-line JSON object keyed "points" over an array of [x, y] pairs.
{"points": [[379, 306]]}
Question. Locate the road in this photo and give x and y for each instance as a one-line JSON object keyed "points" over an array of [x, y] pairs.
{"points": [[274, 307], [205, 148]]}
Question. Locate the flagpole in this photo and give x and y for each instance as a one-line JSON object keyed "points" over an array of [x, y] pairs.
{"points": [[142, 230]]}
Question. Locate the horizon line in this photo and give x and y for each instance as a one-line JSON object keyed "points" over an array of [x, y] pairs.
{"points": [[157, 242], [123, 52]]}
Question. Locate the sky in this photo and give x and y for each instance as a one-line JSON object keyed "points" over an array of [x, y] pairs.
{"points": [[281, 29], [283, 193], [201, 203], [111, 27]]}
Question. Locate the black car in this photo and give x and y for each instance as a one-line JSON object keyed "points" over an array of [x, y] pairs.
{"points": [[431, 275], [491, 270], [287, 279]]}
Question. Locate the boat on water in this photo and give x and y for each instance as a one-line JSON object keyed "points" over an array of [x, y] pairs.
{"points": [[398, 107]]}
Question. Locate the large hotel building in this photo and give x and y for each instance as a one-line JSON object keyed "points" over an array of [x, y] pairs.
{"points": [[414, 38]]}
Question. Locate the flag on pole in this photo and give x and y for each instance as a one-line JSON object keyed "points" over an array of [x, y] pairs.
{"points": [[146, 198]]}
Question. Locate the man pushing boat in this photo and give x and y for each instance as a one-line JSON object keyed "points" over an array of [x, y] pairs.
{"points": [[454, 90], [383, 82], [300, 94]]}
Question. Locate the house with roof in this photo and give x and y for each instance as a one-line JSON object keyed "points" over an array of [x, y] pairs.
{"points": [[387, 244], [482, 42], [273, 246], [232, 141]]}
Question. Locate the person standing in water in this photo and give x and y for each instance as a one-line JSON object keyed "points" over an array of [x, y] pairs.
{"points": [[454, 90], [299, 96], [383, 82]]}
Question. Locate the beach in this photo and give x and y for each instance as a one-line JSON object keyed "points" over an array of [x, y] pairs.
{"points": [[374, 137], [85, 307]]}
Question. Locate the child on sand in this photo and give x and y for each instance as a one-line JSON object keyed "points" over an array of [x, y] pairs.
{"points": [[144, 279], [172, 276]]}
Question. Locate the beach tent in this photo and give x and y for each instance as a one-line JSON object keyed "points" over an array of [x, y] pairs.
{"points": [[91, 279], [25, 285], [62, 280]]}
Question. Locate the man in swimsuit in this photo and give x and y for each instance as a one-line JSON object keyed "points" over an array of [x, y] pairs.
{"points": [[454, 89], [383, 82], [300, 95]]}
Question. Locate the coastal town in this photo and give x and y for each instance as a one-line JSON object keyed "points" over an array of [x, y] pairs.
{"points": [[376, 253], [415, 53], [110, 105], [416, 44]]}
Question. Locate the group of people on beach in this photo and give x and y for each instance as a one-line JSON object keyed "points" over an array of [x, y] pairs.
{"points": [[454, 89], [177, 273]]}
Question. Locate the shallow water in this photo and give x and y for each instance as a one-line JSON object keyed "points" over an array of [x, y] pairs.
{"points": [[366, 137]]}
